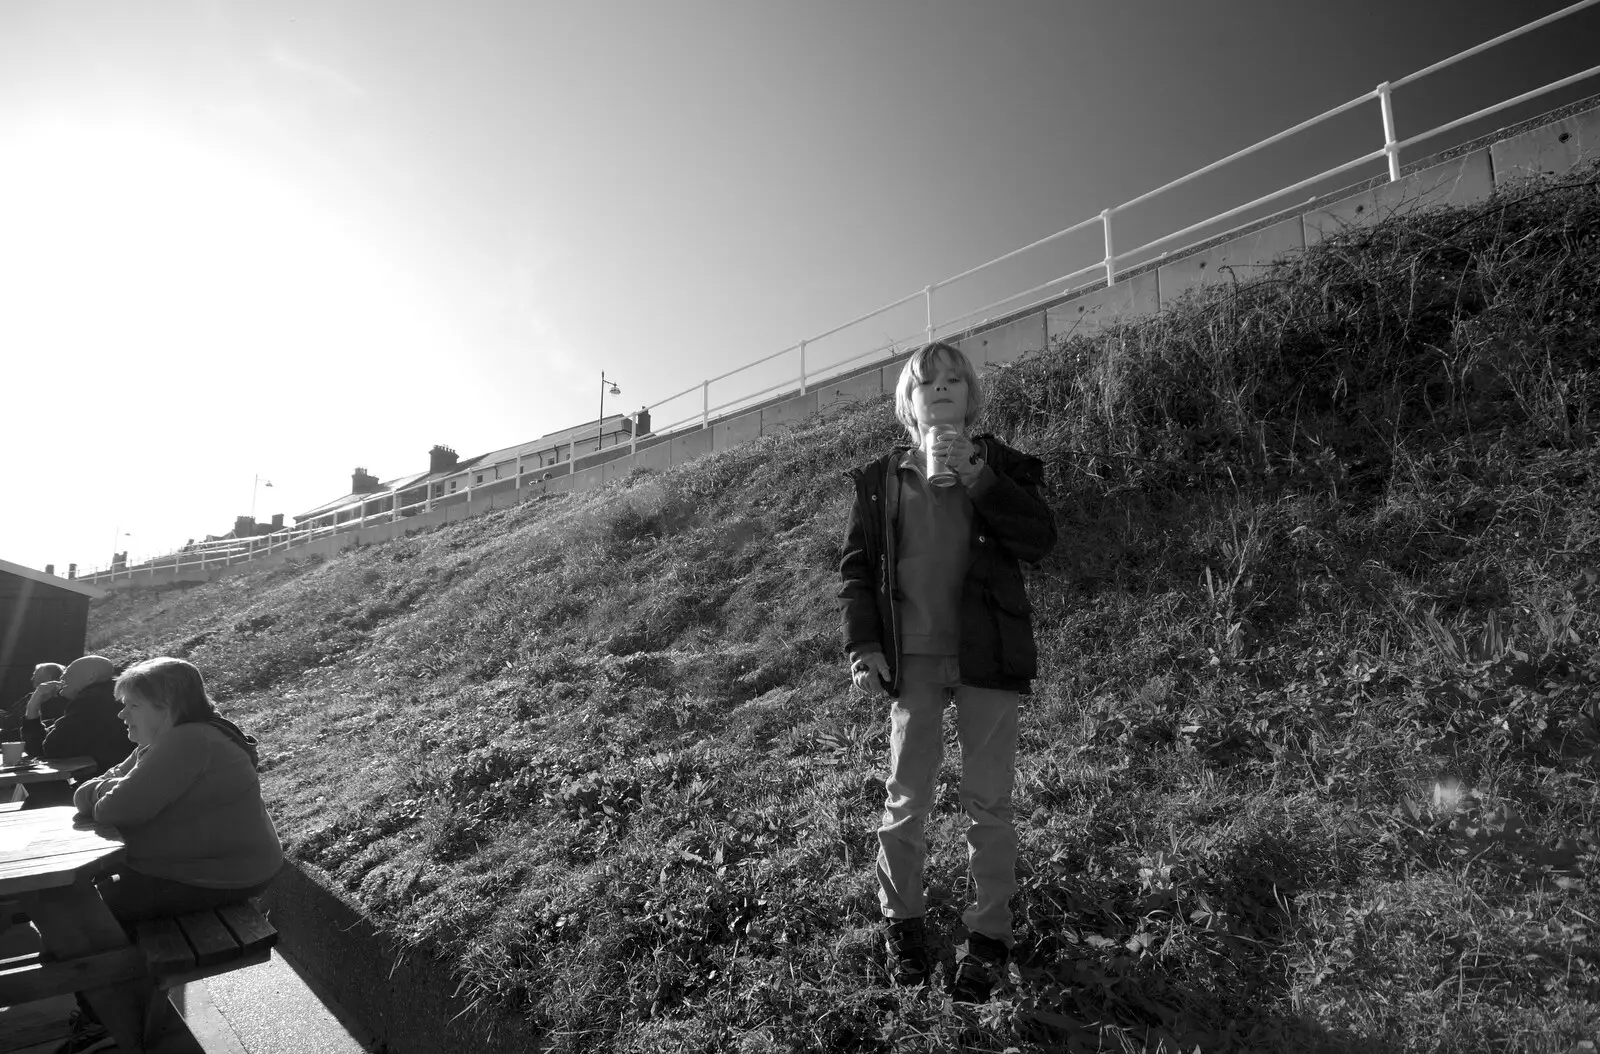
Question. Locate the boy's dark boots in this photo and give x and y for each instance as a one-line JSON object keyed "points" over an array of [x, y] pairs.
{"points": [[980, 963], [907, 942]]}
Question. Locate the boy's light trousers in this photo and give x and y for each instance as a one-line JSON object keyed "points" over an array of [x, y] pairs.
{"points": [[986, 723]]}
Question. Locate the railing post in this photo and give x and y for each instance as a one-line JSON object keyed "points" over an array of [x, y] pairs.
{"points": [[802, 367], [1391, 147], [1111, 252], [927, 301], [705, 404]]}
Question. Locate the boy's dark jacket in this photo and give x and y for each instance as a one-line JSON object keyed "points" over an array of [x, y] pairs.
{"points": [[1010, 523]]}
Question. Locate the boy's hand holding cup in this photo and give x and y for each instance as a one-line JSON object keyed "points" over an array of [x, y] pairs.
{"points": [[954, 453]]}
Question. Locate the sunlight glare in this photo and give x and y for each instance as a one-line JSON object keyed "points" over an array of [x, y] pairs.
{"points": [[212, 293]]}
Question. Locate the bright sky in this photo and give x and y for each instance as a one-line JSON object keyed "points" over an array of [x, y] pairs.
{"points": [[277, 239]]}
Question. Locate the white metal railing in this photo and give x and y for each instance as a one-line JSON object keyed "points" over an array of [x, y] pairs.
{"points": [[1105, 268], [390, 504]]}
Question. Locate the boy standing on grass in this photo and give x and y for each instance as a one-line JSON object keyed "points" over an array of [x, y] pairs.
{"points": [[934, 611]]}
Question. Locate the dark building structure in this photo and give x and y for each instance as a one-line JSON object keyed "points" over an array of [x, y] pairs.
{"points": [[42, 619], [247, 527]]}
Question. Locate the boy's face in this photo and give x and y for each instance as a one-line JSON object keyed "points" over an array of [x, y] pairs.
{"points": [[941, 399]]}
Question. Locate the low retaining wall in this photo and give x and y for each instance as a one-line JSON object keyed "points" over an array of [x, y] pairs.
{"points": [[404, 998]]}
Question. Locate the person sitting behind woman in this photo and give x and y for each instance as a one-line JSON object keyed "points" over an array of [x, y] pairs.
{"points": [[187, 800]]}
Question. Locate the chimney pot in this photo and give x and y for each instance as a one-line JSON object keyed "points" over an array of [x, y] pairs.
{"points": [[442, 459]]}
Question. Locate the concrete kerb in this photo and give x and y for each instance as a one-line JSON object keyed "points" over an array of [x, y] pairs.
{"points": [[403, 996]]}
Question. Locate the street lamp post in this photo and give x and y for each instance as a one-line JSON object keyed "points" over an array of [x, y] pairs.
{"points": [[117, 534], [256, 486], [600, 430]]}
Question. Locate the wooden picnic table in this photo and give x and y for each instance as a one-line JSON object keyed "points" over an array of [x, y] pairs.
{"points": [[48, 860], [13, 780]]}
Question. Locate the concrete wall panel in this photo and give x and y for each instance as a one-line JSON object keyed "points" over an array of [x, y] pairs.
{"points": [[732, 431], [422, 521], [891, 375], [657, 456], [1006, 343], [587, 479], [1550, 150], [1087, 314], [787, 414], [687, 447], [1241, 259], [867, 387], [1459, 181], [618, 469]]}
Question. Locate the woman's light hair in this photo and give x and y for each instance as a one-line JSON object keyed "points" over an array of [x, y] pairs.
{"points": [[173, 685], [920, 366]]}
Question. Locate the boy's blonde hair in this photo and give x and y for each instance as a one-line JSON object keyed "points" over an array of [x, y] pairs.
{"points": [[916, 370]]}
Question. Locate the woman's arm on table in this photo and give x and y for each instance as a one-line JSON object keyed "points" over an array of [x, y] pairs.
{"points": [[157, 776], [90, 791]]}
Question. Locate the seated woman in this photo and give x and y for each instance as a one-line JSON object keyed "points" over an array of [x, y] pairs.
{"points": [[187, 800]]}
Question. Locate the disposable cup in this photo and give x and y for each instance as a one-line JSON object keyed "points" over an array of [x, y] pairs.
{"points": [[11, 753], [939, 473]]}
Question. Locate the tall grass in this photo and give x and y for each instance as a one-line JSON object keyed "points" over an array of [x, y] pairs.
{"points": [[1312, 765]]}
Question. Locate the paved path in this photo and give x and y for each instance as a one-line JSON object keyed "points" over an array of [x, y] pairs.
{"points": [[267, 1009]]}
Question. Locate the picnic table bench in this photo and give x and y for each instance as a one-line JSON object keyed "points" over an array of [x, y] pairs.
{"points": [[205, 943], [171, 952], [46, 863]]}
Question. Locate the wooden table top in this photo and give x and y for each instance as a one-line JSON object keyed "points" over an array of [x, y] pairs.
{"points": [[46, 848], [45, 771]]}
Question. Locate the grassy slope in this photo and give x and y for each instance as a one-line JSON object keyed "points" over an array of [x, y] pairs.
{"points": [[1312, 767]]}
